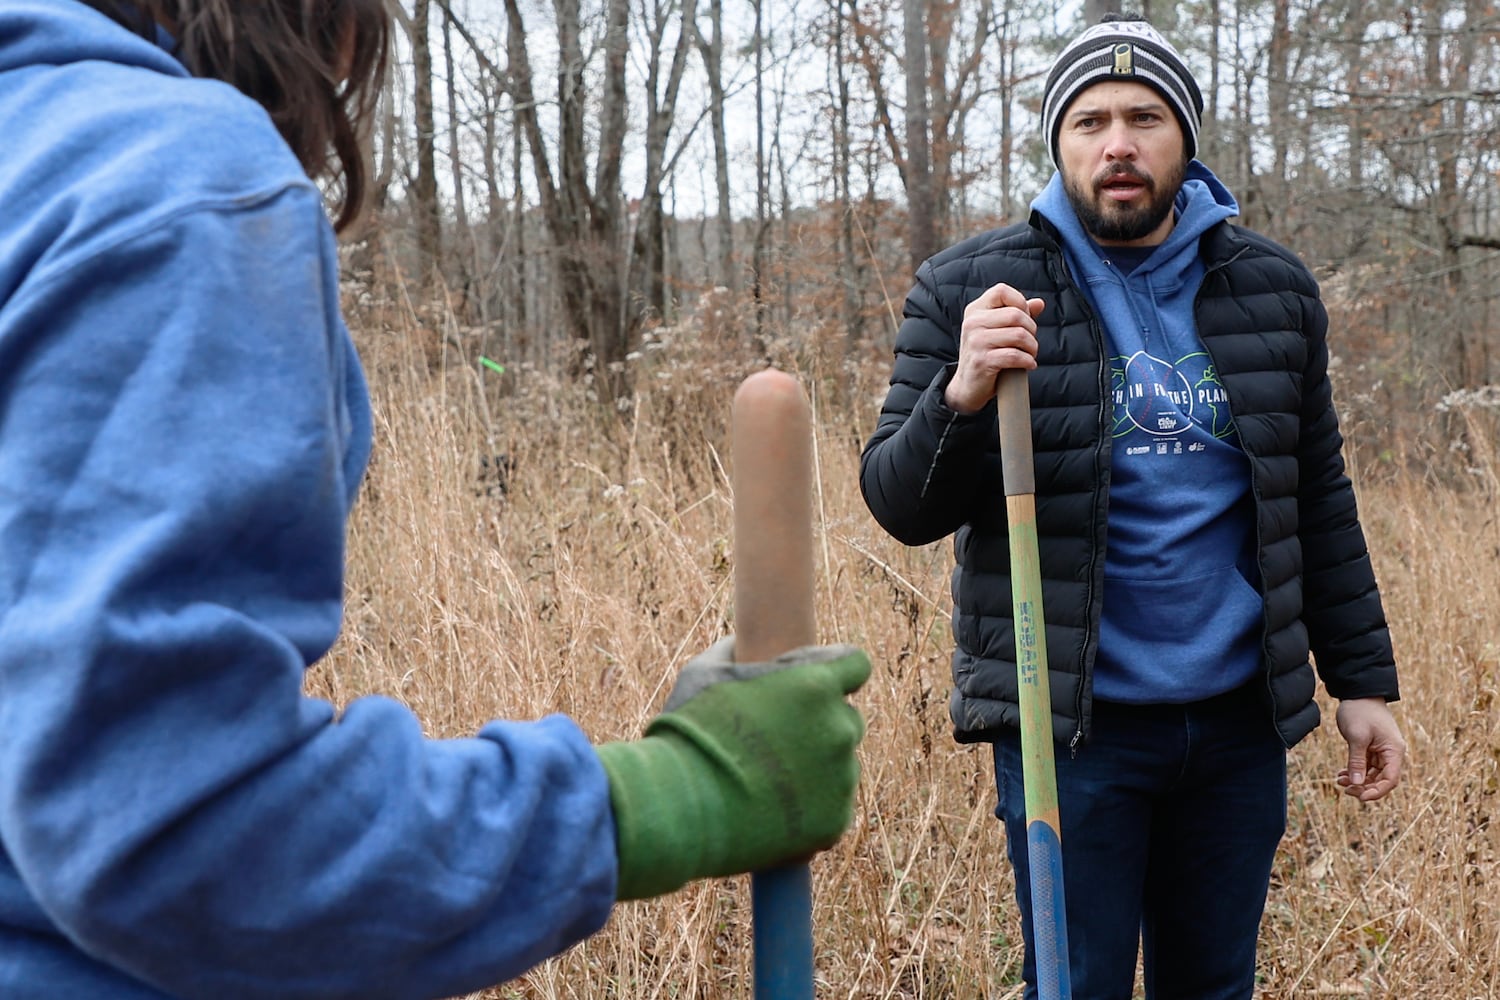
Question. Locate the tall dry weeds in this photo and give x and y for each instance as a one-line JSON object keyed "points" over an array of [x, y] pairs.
{"points": [[606, 561]]}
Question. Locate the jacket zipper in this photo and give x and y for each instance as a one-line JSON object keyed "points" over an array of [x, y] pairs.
{"points": [[1260, 547], [1086, 671]]}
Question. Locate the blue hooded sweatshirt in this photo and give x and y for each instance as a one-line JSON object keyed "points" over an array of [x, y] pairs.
{"points": [[1182, 616], [183, 425]]}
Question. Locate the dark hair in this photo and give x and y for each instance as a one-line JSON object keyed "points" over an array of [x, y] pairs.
{"points": [[314, 65]]}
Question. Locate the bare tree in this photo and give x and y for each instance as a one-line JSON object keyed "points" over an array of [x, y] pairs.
{"points": [[1211, 138], [1362, 134], [663, 84], [851, 260], [952, 64], [460, 259], [1356, 25], [586, 224], [424, 188], [917, 172], [1278, 91], [1006, 72], [762, 193], [1094, 10], [711, 51], [385, 166]]}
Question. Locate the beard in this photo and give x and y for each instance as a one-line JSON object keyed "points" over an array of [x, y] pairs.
{"points": [[1105, 219]]}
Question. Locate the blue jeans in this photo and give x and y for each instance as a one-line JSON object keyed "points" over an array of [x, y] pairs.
{"points": [[1170, 819]]}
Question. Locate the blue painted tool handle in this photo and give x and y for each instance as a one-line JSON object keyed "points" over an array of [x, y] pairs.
{"points": [[781, 907], [1044, 850]]}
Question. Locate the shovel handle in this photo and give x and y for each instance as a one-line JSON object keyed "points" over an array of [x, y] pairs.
{"points": [[771, 445], [1049, 921]]}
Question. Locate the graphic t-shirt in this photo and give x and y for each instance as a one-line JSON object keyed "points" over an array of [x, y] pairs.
{"points": [[1177, 570]]}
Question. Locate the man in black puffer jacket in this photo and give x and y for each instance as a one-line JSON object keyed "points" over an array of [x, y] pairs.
{"points": [[1199, 540]]}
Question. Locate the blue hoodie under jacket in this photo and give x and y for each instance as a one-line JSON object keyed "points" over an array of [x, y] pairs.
{"points": [[183, 425], [1182, 614]]}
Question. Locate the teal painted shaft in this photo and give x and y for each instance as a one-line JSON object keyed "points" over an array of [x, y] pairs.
{"points": [[1038, 765]]}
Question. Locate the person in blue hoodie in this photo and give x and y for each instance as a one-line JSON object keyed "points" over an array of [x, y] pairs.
{"points": [[183, 426], [1199, 540]]}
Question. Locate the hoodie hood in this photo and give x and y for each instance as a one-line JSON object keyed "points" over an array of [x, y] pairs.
{"points": [[105, 131], [61, 32], [1202, 203]]}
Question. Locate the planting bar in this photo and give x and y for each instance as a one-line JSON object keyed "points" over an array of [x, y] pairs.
{"points": [[771, 447], [1038, 766]]}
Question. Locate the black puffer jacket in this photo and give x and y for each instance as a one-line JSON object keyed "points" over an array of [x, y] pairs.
{"points": [[929, 472]]}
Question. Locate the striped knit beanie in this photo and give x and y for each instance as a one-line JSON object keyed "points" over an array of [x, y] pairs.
{"points": [[1121, 48]]}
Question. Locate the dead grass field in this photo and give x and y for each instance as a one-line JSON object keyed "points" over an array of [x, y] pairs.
{"points": [[607, 561]]}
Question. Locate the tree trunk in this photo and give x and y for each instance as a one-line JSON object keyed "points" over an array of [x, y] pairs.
{"points": [[1357, 24], [586, 226], [711, 50], [1211, 140], [648, 258], [385, 172], [462, 252], [1007, 48], [918, 168], [1279, 99], [1094, 10], [762, 223], [521, 310], [1447, 132], [1242, 142], [424, 192], [843, 171]]}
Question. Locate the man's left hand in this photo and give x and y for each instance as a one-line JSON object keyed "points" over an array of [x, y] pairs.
{"points": [[1376, 748]]}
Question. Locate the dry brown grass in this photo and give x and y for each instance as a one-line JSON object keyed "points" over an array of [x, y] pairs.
{"points": [[607, 563]]}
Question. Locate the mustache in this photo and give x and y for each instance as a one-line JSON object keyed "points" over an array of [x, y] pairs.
{"points": [[1125, 170]]}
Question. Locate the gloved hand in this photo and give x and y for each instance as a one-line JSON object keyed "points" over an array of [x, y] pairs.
{"points": [[750, 765]]}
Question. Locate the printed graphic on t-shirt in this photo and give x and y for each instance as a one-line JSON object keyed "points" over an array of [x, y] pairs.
{"points": [[1161, 401]]}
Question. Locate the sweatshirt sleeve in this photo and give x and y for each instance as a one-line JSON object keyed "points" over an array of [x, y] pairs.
{"points": [[175, 474]]}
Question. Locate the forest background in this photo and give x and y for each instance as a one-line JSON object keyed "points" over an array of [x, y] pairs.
{"points": [[592, 218]]}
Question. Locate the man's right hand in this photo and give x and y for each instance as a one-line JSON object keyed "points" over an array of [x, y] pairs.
{"points": [[998, 332]]}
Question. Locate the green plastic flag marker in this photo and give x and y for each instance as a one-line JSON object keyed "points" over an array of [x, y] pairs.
{"points": [[492, 366]]}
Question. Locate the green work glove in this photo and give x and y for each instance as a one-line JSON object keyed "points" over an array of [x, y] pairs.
{"points": [[751, 765]]}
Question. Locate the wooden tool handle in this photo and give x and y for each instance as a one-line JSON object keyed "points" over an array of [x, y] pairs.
{"points": [[773, 611], [1013, 401], [773, 517], [1038, 764]]}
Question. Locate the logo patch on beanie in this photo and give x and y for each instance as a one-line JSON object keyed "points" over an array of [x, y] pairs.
{"points": [[1124, 59]]}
